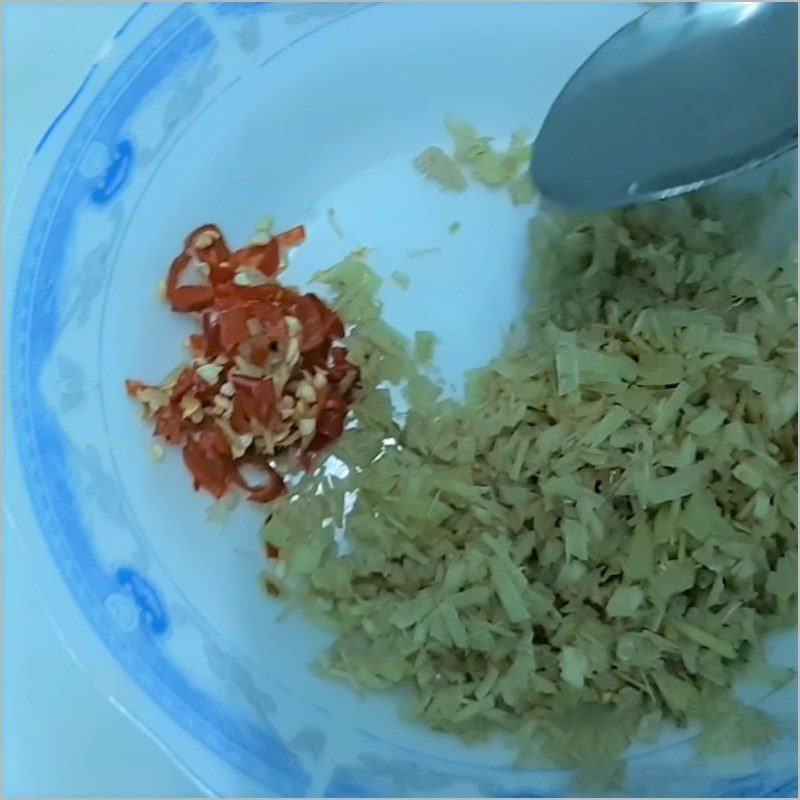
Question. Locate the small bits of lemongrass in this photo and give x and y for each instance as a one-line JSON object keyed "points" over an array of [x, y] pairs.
{"points": [[246, 276], [205, 239], [209, 373], [305, 391], [307, 426]]}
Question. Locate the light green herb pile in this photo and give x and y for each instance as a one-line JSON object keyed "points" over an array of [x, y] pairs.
{"points": [[598, 538], [476, 156]]}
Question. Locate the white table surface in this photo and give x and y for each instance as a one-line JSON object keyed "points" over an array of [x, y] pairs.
{"points": [[60, 736]]}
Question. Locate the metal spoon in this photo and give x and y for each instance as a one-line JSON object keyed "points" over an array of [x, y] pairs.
{"points": [[677, 99]]}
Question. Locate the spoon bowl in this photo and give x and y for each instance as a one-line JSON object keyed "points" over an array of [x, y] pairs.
{"points": [[679, 98]]}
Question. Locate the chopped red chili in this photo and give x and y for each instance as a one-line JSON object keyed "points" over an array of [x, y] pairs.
{"points": [[269, 386], [272, 551]]}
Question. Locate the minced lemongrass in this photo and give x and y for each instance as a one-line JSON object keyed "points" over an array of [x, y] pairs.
{"points": [[597, 539]]}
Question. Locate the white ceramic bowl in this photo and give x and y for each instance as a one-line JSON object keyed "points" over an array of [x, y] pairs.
{"points": [[226, 112]]}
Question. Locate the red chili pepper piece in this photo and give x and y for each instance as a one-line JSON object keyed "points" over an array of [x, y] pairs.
{"points": [[318, 321], [134, 387], [292, 237], [266, 258], [207, 245], [272, 488], [233, 328], [209, 467], [255, 397], [191, 298], [272, 551], [330, 424], [266, 494], [169, 424]]}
